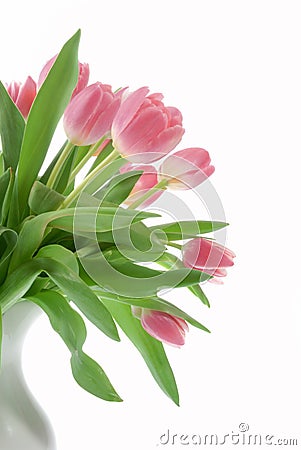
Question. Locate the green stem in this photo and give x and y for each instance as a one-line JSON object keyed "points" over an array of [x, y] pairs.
{"points": [[172, 244], [59, 164], [85, 159], [72, 196], [161, 185]]}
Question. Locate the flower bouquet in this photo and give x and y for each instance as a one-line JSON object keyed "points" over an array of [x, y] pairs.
{"points": [[81, 237]]}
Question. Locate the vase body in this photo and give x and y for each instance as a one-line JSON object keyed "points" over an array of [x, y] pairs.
{"points": [[23, 424]]}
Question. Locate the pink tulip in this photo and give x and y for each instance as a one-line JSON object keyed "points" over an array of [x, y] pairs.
{"points": [[208, 256], [147, 180], [89, 115], [23, 95], [144, 130], [83, 75], [186, 168], [162, 326]]}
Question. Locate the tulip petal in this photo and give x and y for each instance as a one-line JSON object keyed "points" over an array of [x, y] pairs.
{"points": [[137, 136], [127, 110], [168, 139], [26, 96]]}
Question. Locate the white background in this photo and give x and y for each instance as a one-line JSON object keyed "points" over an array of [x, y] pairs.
{"points": [[233, 69]]}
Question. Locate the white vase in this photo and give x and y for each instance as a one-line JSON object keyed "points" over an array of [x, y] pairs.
{"points": [[23, 424]]}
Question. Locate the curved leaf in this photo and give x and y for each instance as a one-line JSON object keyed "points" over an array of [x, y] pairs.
{"points": [[43, 199], [18, 283], [4, 182], [46, 111], [80, 294], [7, 202], [88, 373], [157, 304], [129, 279], [0, 336], [1, 163], [199, 293], [120, 187], [8, 242], [60, 254], [188, 228], [33, 229], [71, 328], [64, 320], [151, 350]]}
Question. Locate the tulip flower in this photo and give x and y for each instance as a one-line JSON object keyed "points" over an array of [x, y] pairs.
{"points": [[208, 256], [83, 75], [147, 181], [23, 95], [89, 115], [162, 326], [144, 130], [186, 168]]}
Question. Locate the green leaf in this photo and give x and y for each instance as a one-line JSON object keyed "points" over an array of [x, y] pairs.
{"points": [[1, 164], [168, 261], [46, 111], [91, 220], [129, 279], [188, 229], [20, 280], [8, 242], [18, 283], [60, 254], [102, 156], [199, 293], [62, 181], [7, 200], [71, 328], [80, 294], [33, 229], [44, 178], [43, 199], [64, 319], [4, 183], [0, 337], [157, 304], [104, 175], [40, 283], [88, 374], [151, 349], [11, 129], [120, 187]]}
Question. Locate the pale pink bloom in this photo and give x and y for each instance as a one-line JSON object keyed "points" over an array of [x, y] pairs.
{"points": [[23, 95], [162, 326], [186, 168], [144, 129], [89, 115], [208, 256], [147, 180], [83, 75]]}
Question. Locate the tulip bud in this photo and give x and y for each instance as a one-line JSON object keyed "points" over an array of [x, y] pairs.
{"points": [[186, 168], [89, 115], [23, 95], [162, 326], [144, 129], [208, 256]]}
